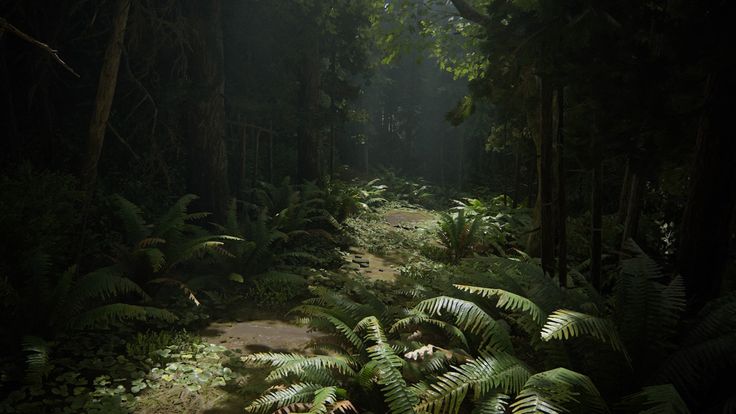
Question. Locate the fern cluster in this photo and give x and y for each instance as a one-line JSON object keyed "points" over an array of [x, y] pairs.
{"points": [[450, 353]]}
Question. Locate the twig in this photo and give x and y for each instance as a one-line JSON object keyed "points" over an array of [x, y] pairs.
{"points": [[6, 26]]}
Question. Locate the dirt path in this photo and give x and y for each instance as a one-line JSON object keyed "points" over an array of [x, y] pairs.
{"points": [[385, 267], [259, 336]]}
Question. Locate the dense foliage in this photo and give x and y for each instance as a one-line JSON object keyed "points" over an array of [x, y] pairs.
{"points": [[445, 206]]}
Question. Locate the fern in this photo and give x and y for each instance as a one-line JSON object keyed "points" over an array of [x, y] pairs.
{"points": [[294, 364], [508, 301], [469, 316], [106, 315], [295, 393], [37, 358], [656, 399], [458, 234], [564, 324], [553, 391], [486, 376], [416, 318]]}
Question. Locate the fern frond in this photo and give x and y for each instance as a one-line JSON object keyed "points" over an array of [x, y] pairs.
{"points": [[395, 391], [485, 375], [341, 327], [105, 283], [553, 391], [297, 366], [323, 399], [104, 316], [37, 358], [564, 324], [131, 215], [657, 399], [343, 407], [469, 316], [419, 318], [508, 301], [172, 222], [373, 330], [295, 393], [715, 318], [492, 404]]}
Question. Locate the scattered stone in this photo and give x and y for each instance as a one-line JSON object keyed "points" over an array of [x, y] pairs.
{"points": [[380, 270], [351, 266], [357, 256], [363, 264], [360, 261]]}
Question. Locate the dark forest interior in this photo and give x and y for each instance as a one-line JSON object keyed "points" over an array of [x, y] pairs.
{"points": [[367, 206]]}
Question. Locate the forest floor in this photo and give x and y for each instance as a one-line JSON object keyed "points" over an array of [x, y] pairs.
{"points": [[384, 243]]}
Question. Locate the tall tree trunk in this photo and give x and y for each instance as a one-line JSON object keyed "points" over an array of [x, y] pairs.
{"points": [[623, 199], [546, 135], [517, 173], [105, 93], [596, 212], [307, 131], [205, 110], [533, 245], [561, 225], [633, 209], [705, 226]]}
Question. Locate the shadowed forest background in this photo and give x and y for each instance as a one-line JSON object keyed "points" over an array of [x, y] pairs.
{"points": [[333, 206]]}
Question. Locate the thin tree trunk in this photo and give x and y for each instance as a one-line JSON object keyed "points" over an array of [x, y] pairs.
{"points": [[623, 199], [105, 93], [533, 245], [270, 155], [308, 137], [596, 210], [561, 199], [461, 162], [205, 118], [243, 159], [633, 210], [517, 174], [257, 155], [546, 136]]}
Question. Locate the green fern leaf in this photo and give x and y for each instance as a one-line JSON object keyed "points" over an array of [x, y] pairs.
{"points": [[104, 316], [553, 391], [657, 399], [323, 399], [508, 301], [469, 316], [563, 324], [295, 393], [492, 404]]}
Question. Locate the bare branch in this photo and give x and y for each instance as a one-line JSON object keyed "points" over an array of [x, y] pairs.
{"points": [[6, 26]]}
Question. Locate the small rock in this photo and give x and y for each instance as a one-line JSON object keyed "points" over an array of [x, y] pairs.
{"points": [[363, 264], [360, 261], [380, 270]]}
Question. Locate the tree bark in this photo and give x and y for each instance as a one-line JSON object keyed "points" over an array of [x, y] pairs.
{"points": [[547, 173], [705, 235], [561, 225], [205, 107], [633, 210], [596, 211], [623, 199], [105, 93]]}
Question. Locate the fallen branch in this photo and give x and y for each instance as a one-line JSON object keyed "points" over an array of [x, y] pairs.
{"points": [[5, 26]]}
